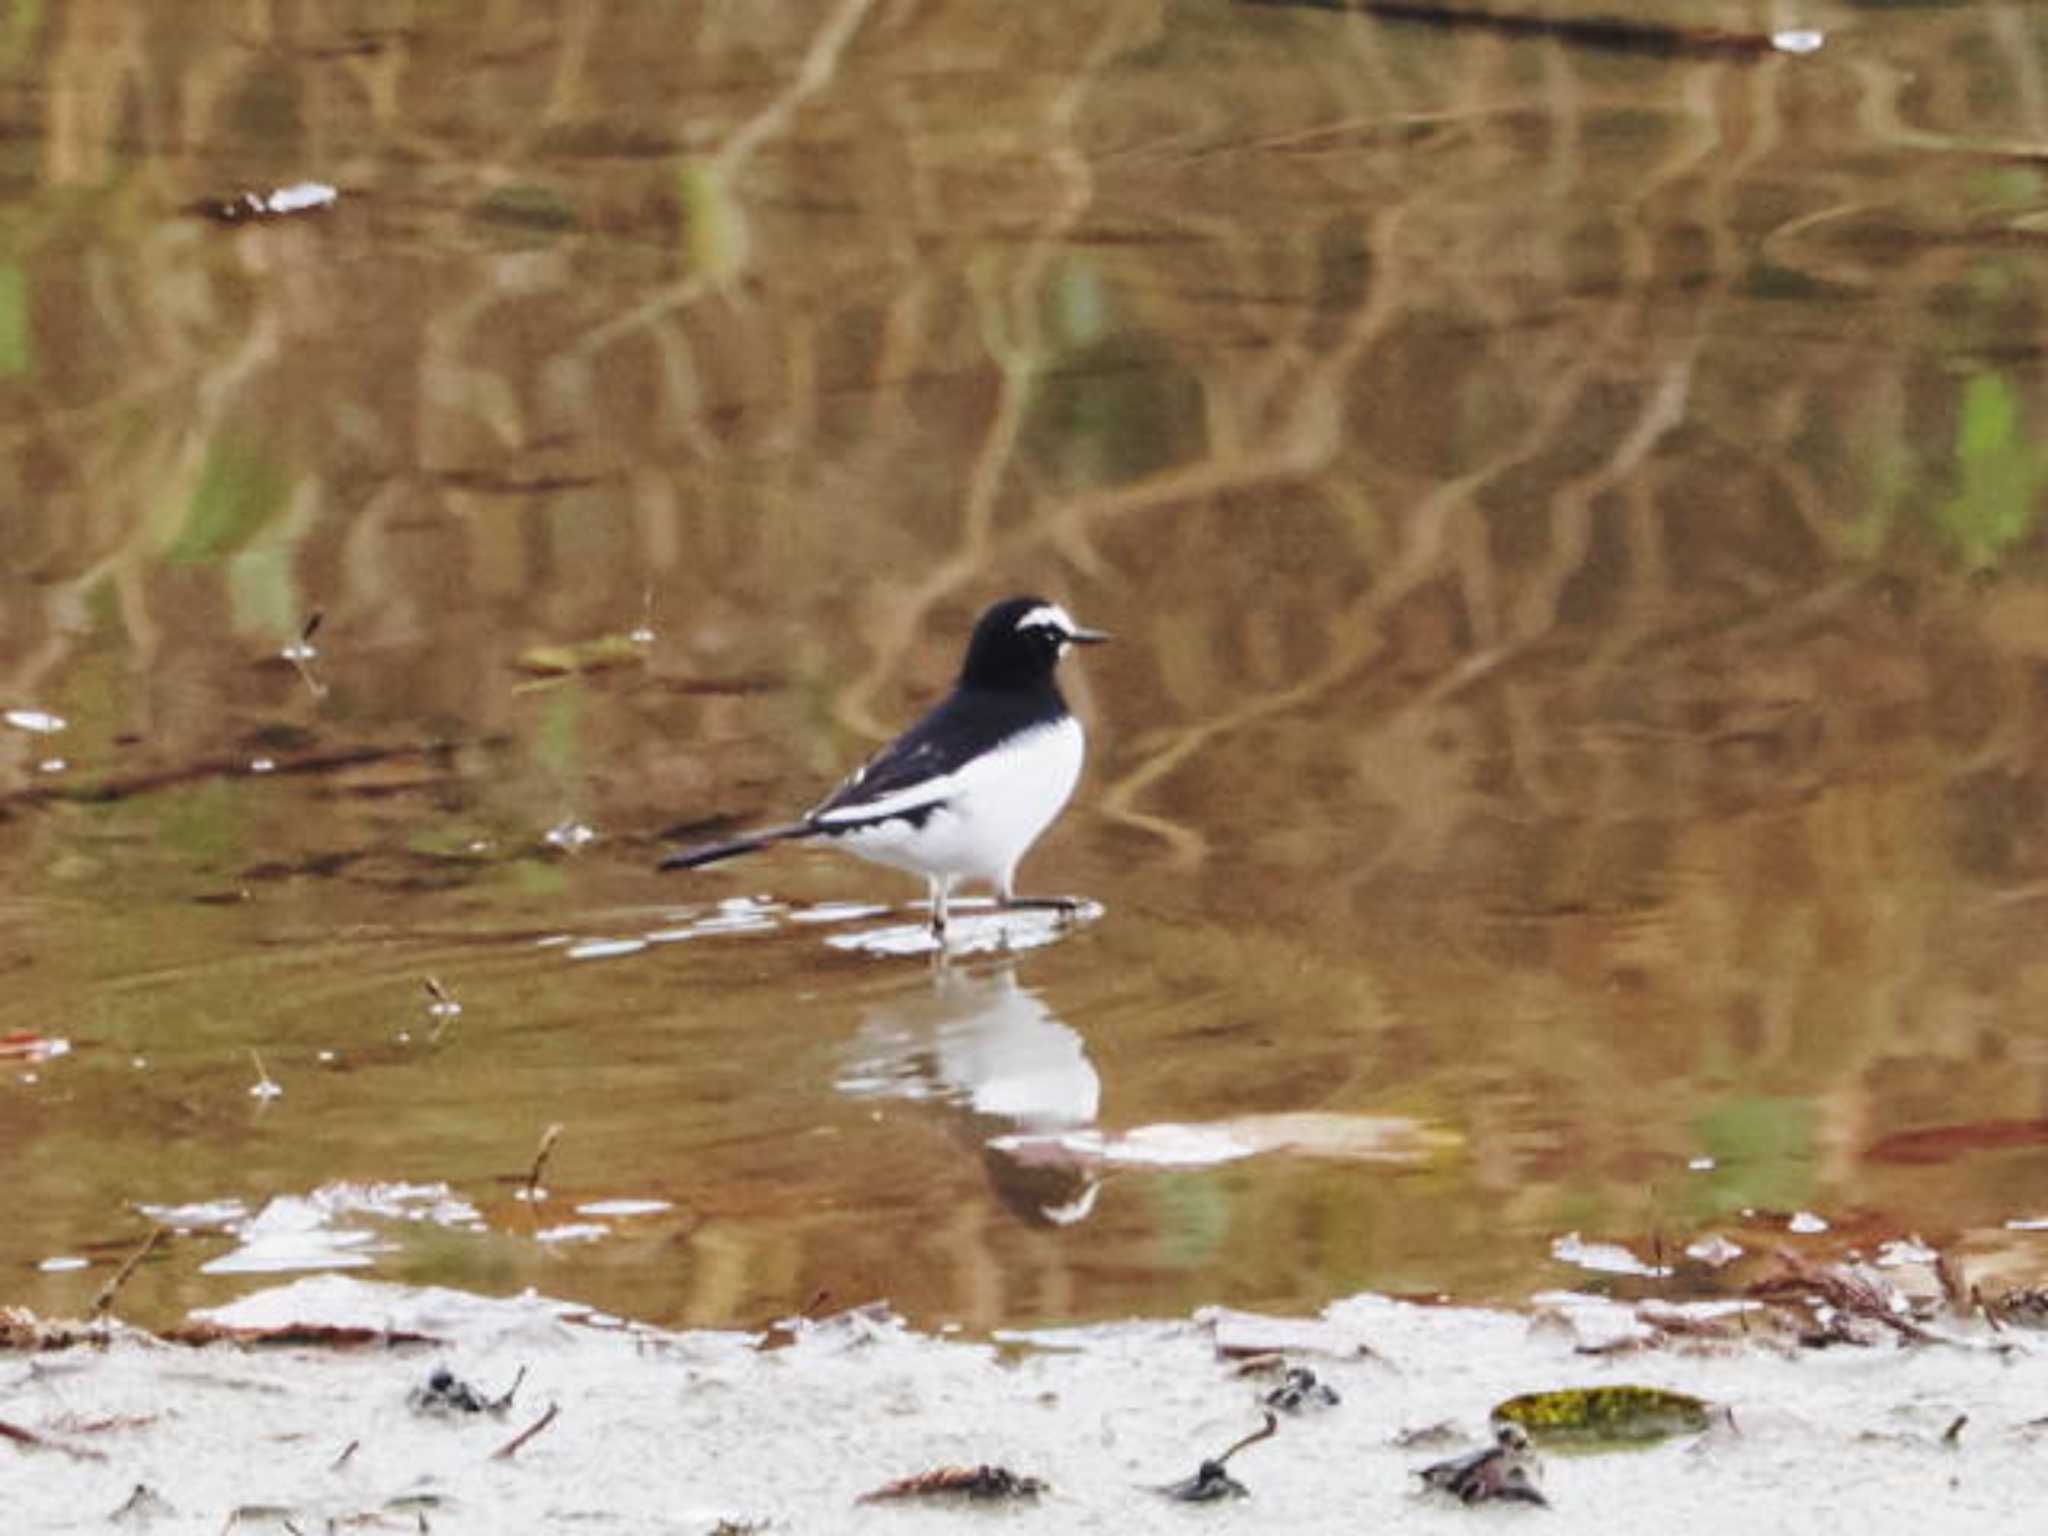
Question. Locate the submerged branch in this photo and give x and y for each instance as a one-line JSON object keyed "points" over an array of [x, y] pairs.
{"points": [[1615, 34]]}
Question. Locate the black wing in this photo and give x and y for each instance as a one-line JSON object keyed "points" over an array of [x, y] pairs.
{"points": [[966, 725]]}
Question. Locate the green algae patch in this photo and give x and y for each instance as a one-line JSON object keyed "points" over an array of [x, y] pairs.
{"points": [[1591, 1417]]}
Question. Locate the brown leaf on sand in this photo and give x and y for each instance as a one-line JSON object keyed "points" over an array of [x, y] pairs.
{"points": [[28, 1439], [982, 1482]]}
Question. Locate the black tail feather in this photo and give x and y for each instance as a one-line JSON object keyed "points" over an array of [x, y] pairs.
{"points": [[711, 853]]}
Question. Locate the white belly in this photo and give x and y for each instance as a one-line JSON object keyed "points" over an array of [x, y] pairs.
{"points": [[995, 810]]}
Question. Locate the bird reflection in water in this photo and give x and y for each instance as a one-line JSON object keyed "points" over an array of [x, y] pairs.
{"points": [[971, 1037]]}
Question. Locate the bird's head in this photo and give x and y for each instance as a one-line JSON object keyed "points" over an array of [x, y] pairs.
{"points": [[1018, 642]]}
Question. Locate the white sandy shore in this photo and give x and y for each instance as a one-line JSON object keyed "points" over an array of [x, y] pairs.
{"points": [[662, 1432]]}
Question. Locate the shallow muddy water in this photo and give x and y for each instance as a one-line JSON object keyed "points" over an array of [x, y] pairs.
{"points": [[1570, 773]]}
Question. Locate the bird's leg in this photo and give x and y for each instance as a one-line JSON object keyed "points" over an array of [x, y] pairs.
{"points": [[941, 888]]}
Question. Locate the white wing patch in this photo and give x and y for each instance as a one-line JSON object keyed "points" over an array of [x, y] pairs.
{"points": [[903, 802]]}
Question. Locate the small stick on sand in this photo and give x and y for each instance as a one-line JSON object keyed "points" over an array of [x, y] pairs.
{"points": [[540, 1161], [105, 1299], [505, 1452], [1272, 1428], [500, 1404], [36, 1442]]}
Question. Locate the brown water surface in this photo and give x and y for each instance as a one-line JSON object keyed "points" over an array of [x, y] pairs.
{"points": [[1574, 758]]}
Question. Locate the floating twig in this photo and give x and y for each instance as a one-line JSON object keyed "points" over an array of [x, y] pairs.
{"points": [[263, 1087], [1954, 1433], [108, 791], [105, 1299], [540, 1161], [506, 1451], [300, 654], [342, 1460], [1616, 34], [443, 1008]]}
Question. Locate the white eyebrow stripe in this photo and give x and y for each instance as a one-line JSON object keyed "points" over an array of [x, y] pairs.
{"points": [[1049, 613]]}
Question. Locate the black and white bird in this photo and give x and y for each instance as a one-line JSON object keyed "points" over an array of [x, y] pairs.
{"points": [[965, 792]]}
